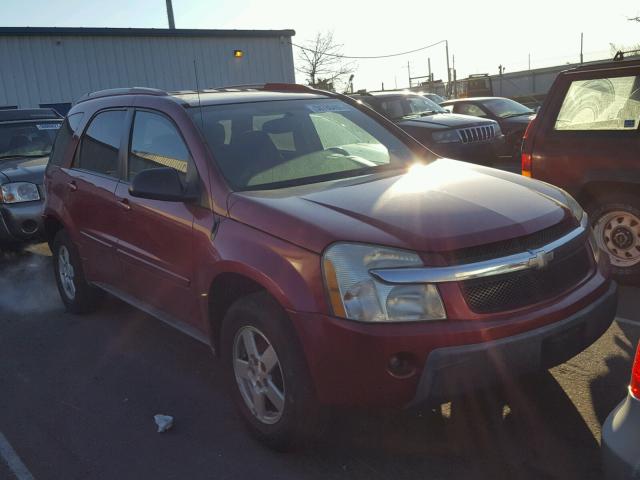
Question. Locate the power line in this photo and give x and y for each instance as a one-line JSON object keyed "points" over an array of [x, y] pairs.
{"points": [[370, 57]]}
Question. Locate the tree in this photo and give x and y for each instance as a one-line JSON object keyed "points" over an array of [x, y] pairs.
{"points": [[321, 61]]}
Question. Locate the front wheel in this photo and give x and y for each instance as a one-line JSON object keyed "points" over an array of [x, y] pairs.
{"points": [[267, 373], [616, 224]]}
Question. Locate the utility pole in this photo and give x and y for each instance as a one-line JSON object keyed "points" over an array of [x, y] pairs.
{"points": [[409, 73], [172, 23], [455, 84], [500, 70], [581, 44], [529, 61], [429, 65], [446, 46]]}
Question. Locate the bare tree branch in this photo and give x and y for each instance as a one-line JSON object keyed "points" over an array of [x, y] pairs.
{"points": [[320, 61]]}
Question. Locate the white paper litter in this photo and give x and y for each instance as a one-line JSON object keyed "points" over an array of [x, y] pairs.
{"points": [[164, 422]]}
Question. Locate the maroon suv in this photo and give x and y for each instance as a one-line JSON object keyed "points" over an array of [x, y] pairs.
{"points": [[586, 139], [324, 254]]}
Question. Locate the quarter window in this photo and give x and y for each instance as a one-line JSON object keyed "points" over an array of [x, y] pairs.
{"points": [[101, 143], [601, 104], [155, 143]]}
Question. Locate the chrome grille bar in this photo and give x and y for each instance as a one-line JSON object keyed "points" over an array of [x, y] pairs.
{"points": [[497, 266]]}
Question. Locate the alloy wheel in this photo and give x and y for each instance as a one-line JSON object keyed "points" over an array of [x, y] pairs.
{"points": [[258, 374], [66, 273]]}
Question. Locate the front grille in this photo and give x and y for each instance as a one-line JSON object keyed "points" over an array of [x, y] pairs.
{"points": [[520, 289], [514, 245], [477, 134]]}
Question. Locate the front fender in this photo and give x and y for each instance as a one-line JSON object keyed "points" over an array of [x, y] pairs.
{"points": [[291, 274]]}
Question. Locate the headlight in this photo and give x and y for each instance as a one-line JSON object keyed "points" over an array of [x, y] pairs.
{"points": [[571, 204], [356, 295], [448, 136], [497, 130], [19, 192]]}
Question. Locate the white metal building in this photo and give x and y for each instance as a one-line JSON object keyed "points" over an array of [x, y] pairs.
{"points": [[53, 67]]}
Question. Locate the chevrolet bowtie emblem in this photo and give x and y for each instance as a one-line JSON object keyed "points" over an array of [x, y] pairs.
{"points": [[540, 259]]}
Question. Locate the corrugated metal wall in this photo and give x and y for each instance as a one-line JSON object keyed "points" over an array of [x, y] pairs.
{"points": [[47, 69]]}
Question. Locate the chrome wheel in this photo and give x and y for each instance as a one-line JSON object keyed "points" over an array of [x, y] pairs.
{"points": [[258, 374], [66, 273], [618, 234]]}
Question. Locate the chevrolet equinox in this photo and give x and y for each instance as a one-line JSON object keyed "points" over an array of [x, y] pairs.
{"points": [[327, 257]]}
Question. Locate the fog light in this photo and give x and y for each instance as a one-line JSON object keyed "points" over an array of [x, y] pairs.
{"points": [[402, 365]]}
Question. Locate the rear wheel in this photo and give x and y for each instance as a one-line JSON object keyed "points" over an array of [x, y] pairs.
{"points": [[266, 372], [616, 223], [76, 293]]}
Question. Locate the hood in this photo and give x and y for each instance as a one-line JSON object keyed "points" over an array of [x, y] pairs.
{"points": [[439, 207], [445, 120], [23, 169]]}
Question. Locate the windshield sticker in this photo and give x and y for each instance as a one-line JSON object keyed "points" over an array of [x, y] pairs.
{"points": [[329, 107], [629, 123], [48, 126]]}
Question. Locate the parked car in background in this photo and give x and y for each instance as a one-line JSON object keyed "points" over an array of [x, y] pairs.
{"points": [[621, 433], [513, 117], [325, 255], [26, 137], [585, 139], [461, 137]]}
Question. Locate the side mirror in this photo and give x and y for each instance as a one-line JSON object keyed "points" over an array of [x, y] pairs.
{"points": [[160, 184]]}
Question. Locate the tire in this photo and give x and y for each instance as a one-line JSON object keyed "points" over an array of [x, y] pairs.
{"points": [[76, 293], [260, 317], [615, 219]]}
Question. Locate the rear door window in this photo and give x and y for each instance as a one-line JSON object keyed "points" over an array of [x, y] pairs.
{"points": [[601, 104], [101, 143]]}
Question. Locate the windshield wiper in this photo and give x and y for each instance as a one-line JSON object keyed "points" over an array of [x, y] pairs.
{"points": [[518, 114]]}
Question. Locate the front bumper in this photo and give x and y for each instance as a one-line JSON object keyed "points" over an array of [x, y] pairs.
{"points": [[349, 361], [621, 441], [477, 152], [451, 371], [21, 222]]}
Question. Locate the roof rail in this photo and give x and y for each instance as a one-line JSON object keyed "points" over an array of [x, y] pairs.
{"points": [[112, 92], [620, 54]]}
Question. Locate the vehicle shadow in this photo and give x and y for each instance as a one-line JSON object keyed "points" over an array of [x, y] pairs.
{"points": [[528, 429]]}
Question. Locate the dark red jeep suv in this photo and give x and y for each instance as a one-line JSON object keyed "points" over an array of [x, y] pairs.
{"points": [[326, 256]]}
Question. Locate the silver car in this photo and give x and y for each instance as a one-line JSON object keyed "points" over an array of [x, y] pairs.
{"points": [[621, 433]]}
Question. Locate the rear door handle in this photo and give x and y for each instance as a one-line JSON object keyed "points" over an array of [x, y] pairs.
{"points": [[72, 186], [124, 204]]}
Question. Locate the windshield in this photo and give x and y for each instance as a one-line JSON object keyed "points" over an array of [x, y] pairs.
{"points": [[400, 106], [504, 107], [27, 139], [277, 144]]}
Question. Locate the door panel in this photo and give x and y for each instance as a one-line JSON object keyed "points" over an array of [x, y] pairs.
{"points": [[90, 198], [155, 245], [90, 201]]}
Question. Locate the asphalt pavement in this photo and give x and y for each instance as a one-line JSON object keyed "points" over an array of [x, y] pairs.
{"points": [[78, 395]]}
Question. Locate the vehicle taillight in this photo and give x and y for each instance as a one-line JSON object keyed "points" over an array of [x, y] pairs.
{"points": [[526, 151], [635, 375], [526, 164]]}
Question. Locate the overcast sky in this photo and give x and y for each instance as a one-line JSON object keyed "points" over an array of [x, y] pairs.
{"points": [[482, 34]]}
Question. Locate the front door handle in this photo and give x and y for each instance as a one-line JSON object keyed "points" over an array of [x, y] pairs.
{"points": [[72, 186], [124, 204]]}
